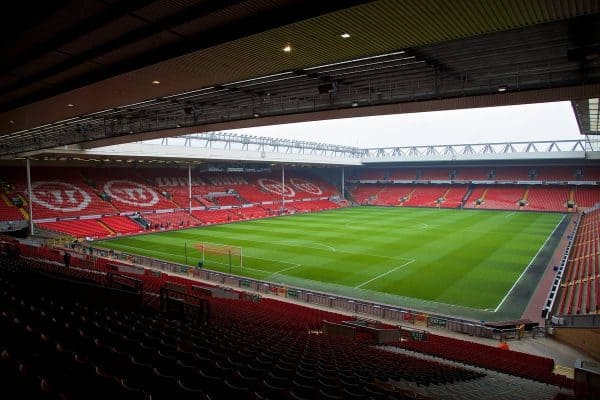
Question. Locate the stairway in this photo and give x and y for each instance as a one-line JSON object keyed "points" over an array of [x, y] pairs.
{"points": [[571, 199], [524, 198], [5, 199], [482, 197], [108, 228], [25, 213], [466, 197]]}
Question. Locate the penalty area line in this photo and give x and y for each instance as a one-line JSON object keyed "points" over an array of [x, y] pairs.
{"points": [[385, 273]]}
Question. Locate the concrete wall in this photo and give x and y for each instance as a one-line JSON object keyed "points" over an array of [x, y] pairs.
{"points": [[584, 339]]}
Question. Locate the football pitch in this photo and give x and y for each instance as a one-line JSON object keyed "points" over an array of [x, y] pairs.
{"points": [[465, 262]]}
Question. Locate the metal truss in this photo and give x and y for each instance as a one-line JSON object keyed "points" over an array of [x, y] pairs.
{"points": [[254, 144], [550, 146], [232, 141]]}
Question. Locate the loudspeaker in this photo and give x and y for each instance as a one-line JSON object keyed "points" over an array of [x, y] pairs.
{"points": [[326, 88]]}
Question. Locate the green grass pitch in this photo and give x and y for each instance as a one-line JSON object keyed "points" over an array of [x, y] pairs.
{"points": [[466, 258]]}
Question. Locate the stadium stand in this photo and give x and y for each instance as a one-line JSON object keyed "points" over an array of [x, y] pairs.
{"points": [[454, 196], [371, 174], [402, 174], [548, 198], [61, 344], [252, 212], [53, 345], [158, 193], [393, 194], [314, 205], [425, 196], [172, 220], [234, 201], [477, 193], [128, 192], [587, 196], [367, 194], [61, 193], [503, 197], [122, 224], [435, 174], [510, 174], [581, 284], [214, 216], [516, 363], [8, 212], [78, 228], [470, 174], [556, 174]]}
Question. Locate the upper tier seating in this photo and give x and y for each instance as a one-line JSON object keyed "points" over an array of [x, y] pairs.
{"points": [[511, 173], [555, 173], [375, 174], [60, 193], [435, 174], [470, 174], [403, 174], [127, 191]]}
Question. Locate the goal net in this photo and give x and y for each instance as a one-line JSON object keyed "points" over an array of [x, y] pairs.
{"points": [[215, 254]]}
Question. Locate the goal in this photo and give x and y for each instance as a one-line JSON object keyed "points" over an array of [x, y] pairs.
{"points": [[215, 254]]}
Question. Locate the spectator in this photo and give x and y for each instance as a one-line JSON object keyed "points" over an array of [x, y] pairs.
{"points": [[67, 259]]}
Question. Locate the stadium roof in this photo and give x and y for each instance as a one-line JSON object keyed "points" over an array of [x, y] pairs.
{"points": [[108, 72]]}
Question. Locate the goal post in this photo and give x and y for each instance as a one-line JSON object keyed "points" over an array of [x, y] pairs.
{"points": [[220, 254]]}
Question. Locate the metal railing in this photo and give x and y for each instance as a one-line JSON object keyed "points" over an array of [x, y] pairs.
{"points": [[334, 302]]}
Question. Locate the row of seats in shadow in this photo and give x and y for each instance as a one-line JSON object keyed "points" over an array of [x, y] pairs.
{"points": [[54, 346]]}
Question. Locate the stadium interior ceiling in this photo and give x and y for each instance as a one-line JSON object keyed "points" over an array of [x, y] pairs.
{"points": [[96, 73]]}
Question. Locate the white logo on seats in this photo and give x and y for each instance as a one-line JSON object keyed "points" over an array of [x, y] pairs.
{"points": [[306, 186], [275, 187], [131, 193], [59, 196]]}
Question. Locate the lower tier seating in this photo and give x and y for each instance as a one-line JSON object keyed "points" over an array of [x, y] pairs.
{"points": [[56, 345], [580, 289]]}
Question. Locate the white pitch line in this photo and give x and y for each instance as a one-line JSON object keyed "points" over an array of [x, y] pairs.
{"points": [[337, 251], [286, 269], [270, 259], [384, 274], [294, 265], [529, 265], [317, 243]]}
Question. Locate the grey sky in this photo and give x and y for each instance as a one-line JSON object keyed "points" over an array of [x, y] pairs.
{"points": [[547, 121]]}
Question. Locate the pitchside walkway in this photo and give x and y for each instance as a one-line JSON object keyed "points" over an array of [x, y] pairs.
{"points": [[533, 311]]}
